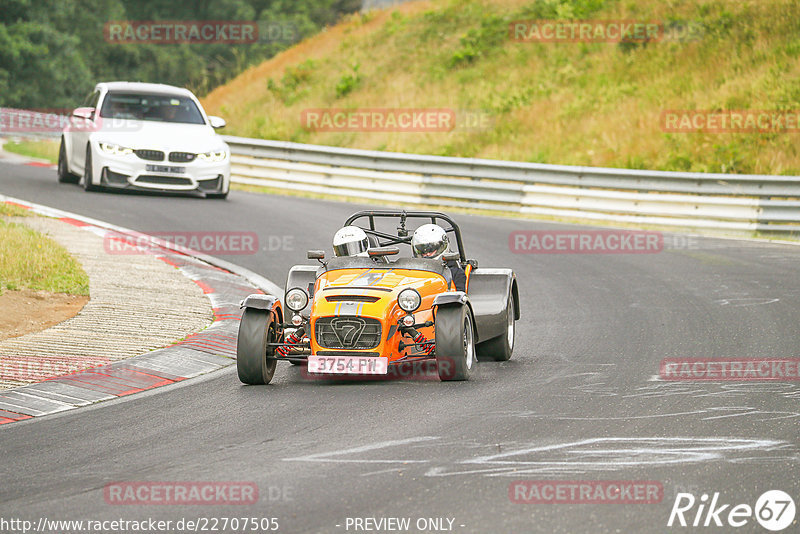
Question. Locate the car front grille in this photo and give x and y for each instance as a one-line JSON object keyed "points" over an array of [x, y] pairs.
{"points": [[164, 180], [182, 157], [150, 155], [347, 332]]}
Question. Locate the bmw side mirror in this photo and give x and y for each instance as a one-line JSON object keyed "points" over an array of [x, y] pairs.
{"points": [[216, 122], [316, 255], [83, 113]]}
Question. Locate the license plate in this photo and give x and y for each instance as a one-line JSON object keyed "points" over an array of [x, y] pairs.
{"points": [[165, 168], [348, 365]]}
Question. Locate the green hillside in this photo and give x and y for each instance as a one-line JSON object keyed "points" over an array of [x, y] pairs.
{"points": [[595, 103]]}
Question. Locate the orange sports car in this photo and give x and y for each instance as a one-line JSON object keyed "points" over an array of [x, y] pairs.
{"points": [[369, 307]]}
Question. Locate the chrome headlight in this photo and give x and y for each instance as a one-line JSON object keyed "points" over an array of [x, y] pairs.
{"points": [[214, 156], [296, 299], [409, 300], [115, 149]]}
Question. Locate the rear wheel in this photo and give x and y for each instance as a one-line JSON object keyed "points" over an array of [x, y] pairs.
{"points": [[64, 176], [455, 343], [253, 356], [87, 171], [500, 348]]}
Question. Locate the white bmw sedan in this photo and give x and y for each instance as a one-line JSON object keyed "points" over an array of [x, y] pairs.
{"points": [[144, 136]]}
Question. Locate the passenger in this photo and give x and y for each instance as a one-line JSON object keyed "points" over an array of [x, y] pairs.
{"points": [[431, 241]]}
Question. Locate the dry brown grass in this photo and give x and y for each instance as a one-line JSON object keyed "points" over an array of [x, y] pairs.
{"points": [[555, 103]]}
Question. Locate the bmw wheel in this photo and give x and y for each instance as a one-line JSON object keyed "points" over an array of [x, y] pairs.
{"points": [[87, 171], [64, 176]]}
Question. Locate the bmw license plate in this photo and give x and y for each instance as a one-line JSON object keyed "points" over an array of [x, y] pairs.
{"points": [[348, 365], [165, 168]]}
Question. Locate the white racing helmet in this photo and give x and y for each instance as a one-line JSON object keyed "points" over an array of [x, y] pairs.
{"points": [[350, 241], [429, 241]]}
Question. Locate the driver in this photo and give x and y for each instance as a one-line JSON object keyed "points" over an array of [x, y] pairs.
{"points": [[431, 241], [350, 241], [169, 113]]}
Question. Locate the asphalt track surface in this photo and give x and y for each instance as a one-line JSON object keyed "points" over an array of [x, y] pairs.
{"points": [[577, 402]]}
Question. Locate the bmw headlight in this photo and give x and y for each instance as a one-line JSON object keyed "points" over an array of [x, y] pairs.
{"points": [[115, 149], [409, 300], [296, 299], [214, 156]]}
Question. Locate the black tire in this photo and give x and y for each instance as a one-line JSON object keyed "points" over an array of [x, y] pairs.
{"points": [[455, 343], [87, 171], [64, 176], [252, 362], [500, 348]]}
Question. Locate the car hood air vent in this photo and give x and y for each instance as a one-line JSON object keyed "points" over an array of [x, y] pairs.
{"points": [[352, 298]]}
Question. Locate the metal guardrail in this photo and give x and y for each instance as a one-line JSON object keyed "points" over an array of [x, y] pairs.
{"points": [[686, 199]]}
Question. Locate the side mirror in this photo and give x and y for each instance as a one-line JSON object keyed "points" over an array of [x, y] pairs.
{"points": [[83, 113], [378, 252], [216, 122], [450, 256], [316, 255]]}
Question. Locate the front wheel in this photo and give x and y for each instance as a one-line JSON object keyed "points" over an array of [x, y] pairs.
{"points": [[500, 348], [455, 343], [253, 362], [87, 171], [64, 176]]}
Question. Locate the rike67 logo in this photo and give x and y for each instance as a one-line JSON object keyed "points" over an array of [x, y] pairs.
{"points": [[774, 510]]}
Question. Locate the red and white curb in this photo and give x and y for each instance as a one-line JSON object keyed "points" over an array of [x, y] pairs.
{"points": [[211, 349]]}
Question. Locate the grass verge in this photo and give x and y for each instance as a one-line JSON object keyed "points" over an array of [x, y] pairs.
{"points": [[41, 149], [31, 260], [13, 210], [591, 103]]}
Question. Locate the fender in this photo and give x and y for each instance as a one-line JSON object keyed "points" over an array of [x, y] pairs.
{"points": [[488, 293], [451, 297], [258, 301], [456, 298], [304, 277]]}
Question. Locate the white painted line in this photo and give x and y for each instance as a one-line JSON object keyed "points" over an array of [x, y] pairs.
{"points": [[326, 456]]}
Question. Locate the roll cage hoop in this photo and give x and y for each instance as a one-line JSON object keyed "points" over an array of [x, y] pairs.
{"points": [[403, 235]]}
